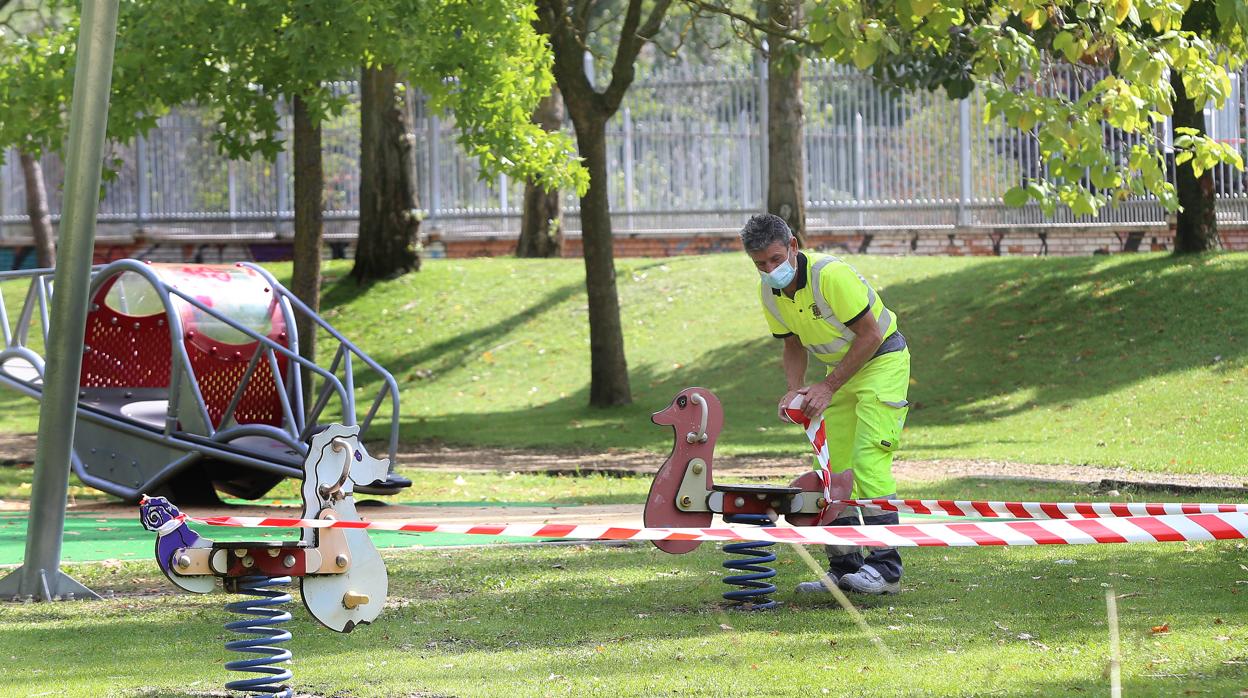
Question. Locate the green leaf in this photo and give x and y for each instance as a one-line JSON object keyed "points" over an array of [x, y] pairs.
{"points": [[1066, 44], [922, 8], [1015, 196], [865, 55], [1084, 203]]}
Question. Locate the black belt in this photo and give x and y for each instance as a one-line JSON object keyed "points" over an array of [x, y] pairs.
{"points": [[894, 342]]}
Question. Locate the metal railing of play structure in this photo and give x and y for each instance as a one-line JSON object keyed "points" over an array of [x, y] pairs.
{"points": [[338, 381], [687, 154]]}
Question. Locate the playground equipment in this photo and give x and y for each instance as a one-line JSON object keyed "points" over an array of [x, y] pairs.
{"points": [[192, 380], [342, 577], [685, 494]]}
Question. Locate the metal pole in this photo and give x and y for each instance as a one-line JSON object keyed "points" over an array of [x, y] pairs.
{"points": [[746, 157], [587, 64], [860, 185], [279, 176], [232, 194], [964, 161], [628, 166], [760, 65], [4, 189], [502, 201], [144, 186], [435, 158], [40, 575]]}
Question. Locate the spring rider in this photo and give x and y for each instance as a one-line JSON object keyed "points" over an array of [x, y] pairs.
{"points": [[684, 494], [342, 576]]}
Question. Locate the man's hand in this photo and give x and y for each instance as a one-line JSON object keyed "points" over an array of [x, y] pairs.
{"points": [[818, 395], [785, 402]]}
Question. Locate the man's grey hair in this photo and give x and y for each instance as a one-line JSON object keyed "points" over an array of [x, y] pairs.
{"points": [[764, 230]]}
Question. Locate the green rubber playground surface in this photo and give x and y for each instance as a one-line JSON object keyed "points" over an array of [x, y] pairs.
{"points": [[92, 538]]}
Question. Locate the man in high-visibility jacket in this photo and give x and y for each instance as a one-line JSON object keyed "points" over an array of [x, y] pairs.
{"points": [[821, 308]]}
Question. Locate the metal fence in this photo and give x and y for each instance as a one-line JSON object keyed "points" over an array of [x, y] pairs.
{"points": [[687, 154]]}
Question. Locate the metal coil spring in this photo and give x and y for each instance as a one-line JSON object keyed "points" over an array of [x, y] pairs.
{"points": [[265, 615], [753, 595]]}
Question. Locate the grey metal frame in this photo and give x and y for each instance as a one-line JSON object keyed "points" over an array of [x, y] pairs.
{"points": [[297, 424]]}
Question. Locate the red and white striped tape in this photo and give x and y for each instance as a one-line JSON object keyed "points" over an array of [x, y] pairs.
{"points": [[1042, 510], [1133, 529], [1073, 523], [818, 440], [817, 435]]}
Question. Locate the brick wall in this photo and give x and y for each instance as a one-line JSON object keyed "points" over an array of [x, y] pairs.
{"points": [[963, 242], [973, 242]]}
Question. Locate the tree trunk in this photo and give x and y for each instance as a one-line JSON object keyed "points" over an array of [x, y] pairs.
{"points": [[37, 210], [786, 169], [1197, 227], [541, 225], [305, 280], [389, 227], [608, 367], [567, 28]]}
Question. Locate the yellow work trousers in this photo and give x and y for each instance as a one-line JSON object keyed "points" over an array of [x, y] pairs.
{"points": [[864, 421]]}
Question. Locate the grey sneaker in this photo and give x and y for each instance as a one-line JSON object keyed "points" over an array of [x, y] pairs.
{"points": [[817, 586], [868, 581]]}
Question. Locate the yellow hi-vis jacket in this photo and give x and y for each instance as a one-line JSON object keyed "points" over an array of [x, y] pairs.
{"points": [[830, 295]]}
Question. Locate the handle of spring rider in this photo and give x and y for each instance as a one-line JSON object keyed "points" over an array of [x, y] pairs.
{"points": [[700, 436], [338, 445]]}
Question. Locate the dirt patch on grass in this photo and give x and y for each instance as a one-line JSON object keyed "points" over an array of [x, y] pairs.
{"points": [[629, 463], [20, 449], [16, 449]]}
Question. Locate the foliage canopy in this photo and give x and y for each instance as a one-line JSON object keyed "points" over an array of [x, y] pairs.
{"points": [[481, 60], [1022, 53]]}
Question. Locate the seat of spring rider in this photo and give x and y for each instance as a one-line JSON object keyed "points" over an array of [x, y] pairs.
{"points": [[748, 488]]}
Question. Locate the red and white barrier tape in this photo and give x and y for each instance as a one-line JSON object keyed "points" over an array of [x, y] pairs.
{"points": [[1042, 510], [1134, 529], [817, 435], [818, 440], [1074, 523]]}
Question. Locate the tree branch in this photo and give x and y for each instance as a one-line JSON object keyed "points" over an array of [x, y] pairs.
{"points": [[769, 28], [632, 38], [568, 45], [681, 37], [580, 15]]}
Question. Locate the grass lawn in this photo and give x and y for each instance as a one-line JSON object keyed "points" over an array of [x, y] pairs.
{"points": [[633, 621], [1091, 360], [1135, 360]]}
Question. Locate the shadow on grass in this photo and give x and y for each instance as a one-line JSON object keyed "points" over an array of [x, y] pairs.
{"points": [[1048, 332], [732, 373], [453, 352], [1065, 330], [595, 593]]}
